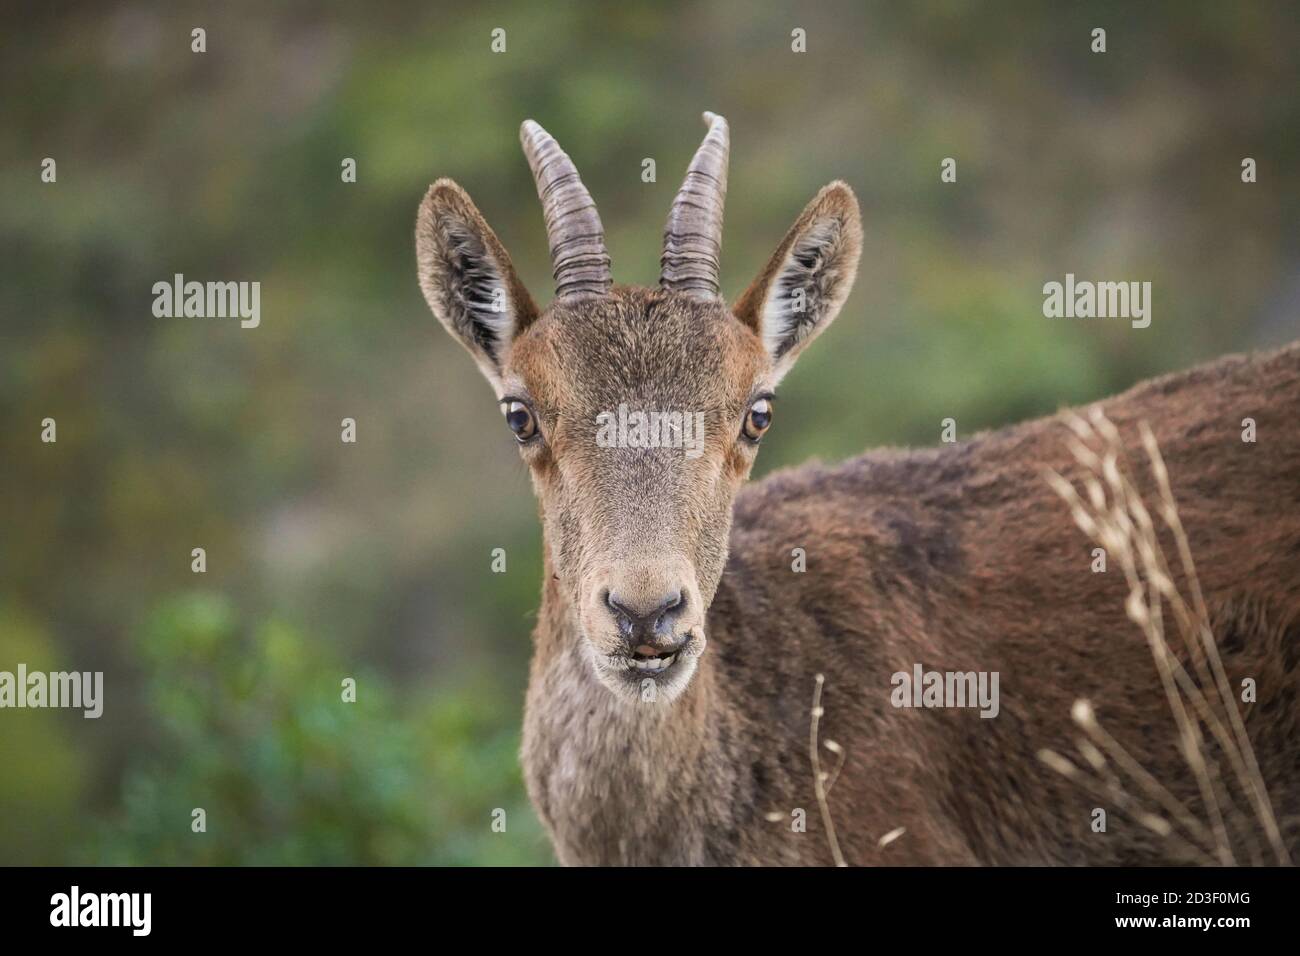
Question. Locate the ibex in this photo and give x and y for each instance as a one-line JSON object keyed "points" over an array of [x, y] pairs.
{"points": [[680, 641]]}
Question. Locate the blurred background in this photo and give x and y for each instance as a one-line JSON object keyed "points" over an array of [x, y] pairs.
{"points": [[372, 561]]}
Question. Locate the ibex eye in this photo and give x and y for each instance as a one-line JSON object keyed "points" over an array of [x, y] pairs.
{"points": [[520, 420], [758, 420]]}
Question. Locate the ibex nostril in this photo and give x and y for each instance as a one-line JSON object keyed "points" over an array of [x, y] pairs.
{"points": [[644, 617]]}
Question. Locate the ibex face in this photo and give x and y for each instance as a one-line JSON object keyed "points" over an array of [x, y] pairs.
{"points": [[639, 411]]}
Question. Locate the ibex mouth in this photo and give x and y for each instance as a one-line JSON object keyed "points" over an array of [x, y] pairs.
{"points": [[646, 658]]}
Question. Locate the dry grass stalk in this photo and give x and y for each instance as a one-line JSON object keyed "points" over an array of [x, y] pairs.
{"points": [[1110, 510], [824, 781], [819, 777]]}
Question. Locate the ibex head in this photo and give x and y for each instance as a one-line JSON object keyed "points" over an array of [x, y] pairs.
{"points": [[639, 411]]}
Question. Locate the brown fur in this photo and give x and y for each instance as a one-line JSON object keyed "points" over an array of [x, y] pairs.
{"points": [[960, 558]]}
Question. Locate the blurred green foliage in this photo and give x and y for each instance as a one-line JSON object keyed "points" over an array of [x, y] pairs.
{"points": [[42, 770], [372, 560], [251, 725]]}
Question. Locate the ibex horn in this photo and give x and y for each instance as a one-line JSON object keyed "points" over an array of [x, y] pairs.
{"points": [[693, 236], [573, 230]]}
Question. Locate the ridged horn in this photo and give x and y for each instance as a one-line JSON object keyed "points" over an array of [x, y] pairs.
{"points": [[573, 231], [693, 236]]}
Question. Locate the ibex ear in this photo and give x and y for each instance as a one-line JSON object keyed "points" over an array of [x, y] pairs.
{"points": [[800, 290], [467, 278]]}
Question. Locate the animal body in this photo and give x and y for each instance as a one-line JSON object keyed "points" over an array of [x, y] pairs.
{"points": [[678, 645]]}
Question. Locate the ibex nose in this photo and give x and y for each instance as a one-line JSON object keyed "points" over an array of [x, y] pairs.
{"points": [[642, 620]]}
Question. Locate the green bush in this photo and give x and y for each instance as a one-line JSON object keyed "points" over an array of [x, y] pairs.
{"points": [[254, 730]]}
